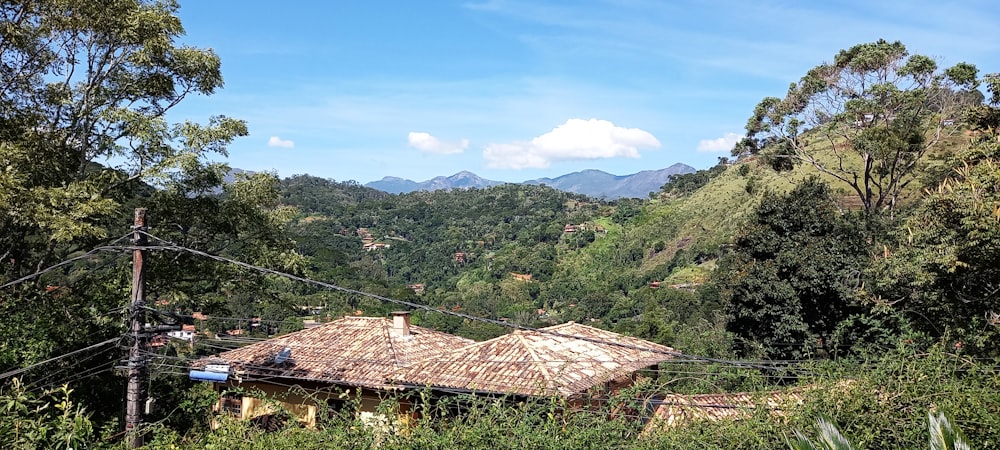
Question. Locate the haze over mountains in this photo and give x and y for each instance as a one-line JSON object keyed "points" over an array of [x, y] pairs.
{"points": [[595, 183]]}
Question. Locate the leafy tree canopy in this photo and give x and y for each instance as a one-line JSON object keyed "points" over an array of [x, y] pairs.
{"points": [[943, 273], [85, 90], [789, 278], [866, 119]]}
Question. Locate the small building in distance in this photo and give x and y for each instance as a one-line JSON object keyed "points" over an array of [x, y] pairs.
{"points": [[521, 276], [186, 333]]}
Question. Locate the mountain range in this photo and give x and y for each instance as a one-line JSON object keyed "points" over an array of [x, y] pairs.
{"points": [[594, 183]]}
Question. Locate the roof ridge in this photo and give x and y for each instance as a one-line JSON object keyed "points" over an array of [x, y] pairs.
{"points": [[537, 361], [387, 333]]}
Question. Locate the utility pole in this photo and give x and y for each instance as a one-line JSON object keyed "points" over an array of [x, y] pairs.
{"points": [[135, 395]]}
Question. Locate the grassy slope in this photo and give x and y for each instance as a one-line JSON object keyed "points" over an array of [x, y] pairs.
{"points": [[712, 215], [688, 231]]}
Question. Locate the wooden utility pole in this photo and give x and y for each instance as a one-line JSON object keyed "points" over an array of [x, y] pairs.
{"points": [[135, 395]]}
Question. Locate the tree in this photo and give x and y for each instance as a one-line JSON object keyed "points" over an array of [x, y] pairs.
{"points": [[788, 280], [85, 88], [944, 272], [82, 82], [686, 183], [867, 119]]}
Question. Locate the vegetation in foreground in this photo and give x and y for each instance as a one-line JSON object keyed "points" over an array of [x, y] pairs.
{"points": [[883, 403], [745, 260]]}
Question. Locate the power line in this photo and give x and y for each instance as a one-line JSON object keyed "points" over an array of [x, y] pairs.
{"points": [[108, 247], [91, 372], [356, 360], [249, 339], [653, 402], [25, 369], [169, 246], [42, 382]]}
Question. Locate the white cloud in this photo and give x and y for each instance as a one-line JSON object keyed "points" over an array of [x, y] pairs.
{"points": [[577, 139], [430, 144], [722, 144], [275, 141]]}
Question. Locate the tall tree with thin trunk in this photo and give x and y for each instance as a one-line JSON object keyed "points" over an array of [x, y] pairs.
{"points": [[868, 119]]}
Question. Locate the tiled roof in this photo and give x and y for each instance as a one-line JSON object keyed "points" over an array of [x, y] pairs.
{"points": [[679, 409], [561, 360], [357, 351]]}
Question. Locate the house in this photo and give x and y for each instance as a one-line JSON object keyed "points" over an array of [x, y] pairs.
{"points": [[370, 358], [158, 340], [417, 288], [353, 357], [568, 360], [672, 410], [186, 333], [569, 228], [459, 257], [370, 245], [521, 276]]}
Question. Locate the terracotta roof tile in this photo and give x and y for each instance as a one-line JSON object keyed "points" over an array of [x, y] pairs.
{"points": [[358, 351], [560, 360], [679, 409]]}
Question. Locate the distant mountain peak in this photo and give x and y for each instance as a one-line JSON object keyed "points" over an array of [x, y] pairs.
{"points": [[592, 182], [460, 180]]}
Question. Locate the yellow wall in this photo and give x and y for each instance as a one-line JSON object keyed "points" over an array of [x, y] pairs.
{"points": [[301, 401]]}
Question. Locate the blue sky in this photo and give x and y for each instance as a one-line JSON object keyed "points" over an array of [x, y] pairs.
{"points": [[515, 90]]}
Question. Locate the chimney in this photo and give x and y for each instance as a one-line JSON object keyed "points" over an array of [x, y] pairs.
{"points": [[401, 323]]}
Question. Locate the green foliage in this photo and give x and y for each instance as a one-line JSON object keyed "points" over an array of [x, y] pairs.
{"points": [[324, 196], [788, 280], [686, 183], [879, 109], [49, 420], [943, 269], [829, 438], [942, 436], [85, 83], [497, 231]]}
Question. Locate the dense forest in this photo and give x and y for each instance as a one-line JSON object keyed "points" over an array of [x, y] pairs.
{"points": [[854, 234]]}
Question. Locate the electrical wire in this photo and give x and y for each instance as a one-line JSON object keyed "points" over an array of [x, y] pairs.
{"points": [[653, 403], [101, 368], [111, 246], [91, 372], [169, 246], [40, 382], [25, 369]]}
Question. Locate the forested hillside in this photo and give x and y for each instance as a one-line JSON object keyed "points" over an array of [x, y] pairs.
{"points": [[849, 249]]}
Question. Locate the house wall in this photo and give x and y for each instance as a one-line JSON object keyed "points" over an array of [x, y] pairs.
{"points": [[302, 401], [597, 396]]}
